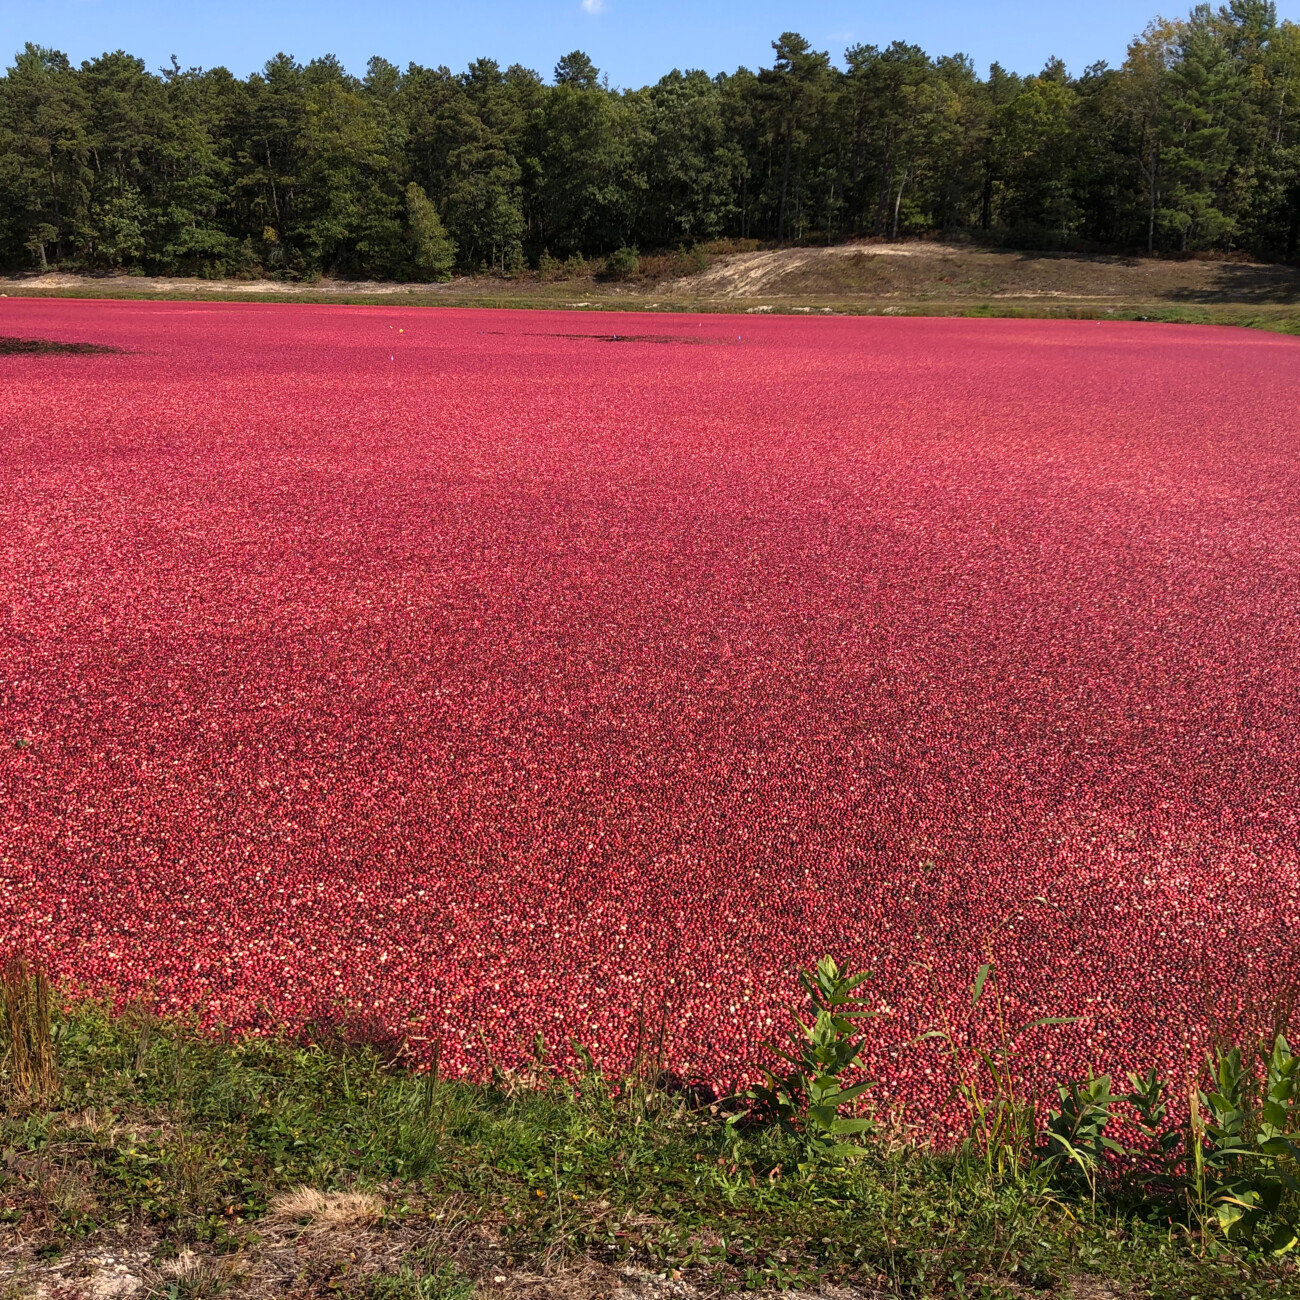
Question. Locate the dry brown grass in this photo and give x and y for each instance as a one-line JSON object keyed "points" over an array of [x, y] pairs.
{"points": [[194, 1276], [28, 1042], [326, 1209]]}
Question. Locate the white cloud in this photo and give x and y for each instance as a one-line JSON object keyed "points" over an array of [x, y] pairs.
{"points": [[593, 6]]}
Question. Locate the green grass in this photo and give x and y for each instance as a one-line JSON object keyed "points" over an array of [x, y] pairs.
{"points": [[183, 1139]]}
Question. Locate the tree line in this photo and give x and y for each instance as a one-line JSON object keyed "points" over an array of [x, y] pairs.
{"points": [[300, 170]]}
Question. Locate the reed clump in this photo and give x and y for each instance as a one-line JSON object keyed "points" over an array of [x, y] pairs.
{"points": [[25, 1030]]}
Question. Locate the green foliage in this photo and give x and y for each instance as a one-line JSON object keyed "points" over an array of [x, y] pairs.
{"points": [[1161, 1141], [1193, 143], [421, 1281], [433, 251], [159, 1124], [621, 264], [1244, 1149], [1233, 1164], [821, 1050], [1076, 1133]]}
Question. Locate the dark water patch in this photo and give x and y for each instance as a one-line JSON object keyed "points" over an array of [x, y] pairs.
{"points": [[12, 346], [627, 338], [643, 338]]}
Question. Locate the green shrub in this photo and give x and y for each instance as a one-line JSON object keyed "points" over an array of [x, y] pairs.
{"points": [[432, 250], [1235, 1162], [621, 264]]}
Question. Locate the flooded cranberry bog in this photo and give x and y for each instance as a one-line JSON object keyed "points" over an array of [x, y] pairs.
{"points": [[487, 673]]}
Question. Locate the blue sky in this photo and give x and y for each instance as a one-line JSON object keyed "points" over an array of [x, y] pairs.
{"points": [[634, 41]]}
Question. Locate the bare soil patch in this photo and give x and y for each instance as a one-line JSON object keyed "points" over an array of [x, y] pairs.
{"points": [[948, 272]]}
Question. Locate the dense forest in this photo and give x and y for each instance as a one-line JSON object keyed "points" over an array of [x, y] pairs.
{"points": [[301, 170]]}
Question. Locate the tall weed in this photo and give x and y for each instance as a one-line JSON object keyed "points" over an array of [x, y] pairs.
{"points": [[25, 1024]]}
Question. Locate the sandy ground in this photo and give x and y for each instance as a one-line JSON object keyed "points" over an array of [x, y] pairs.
{"points": [[949, 272]]}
